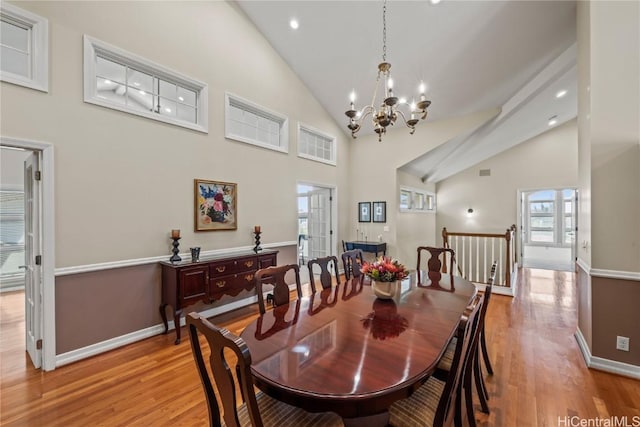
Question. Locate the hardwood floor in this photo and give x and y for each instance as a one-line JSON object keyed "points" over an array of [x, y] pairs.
{"points": [[540, 376]]}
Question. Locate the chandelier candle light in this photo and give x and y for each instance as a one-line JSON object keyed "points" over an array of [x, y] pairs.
{"points": [[387, 113]]}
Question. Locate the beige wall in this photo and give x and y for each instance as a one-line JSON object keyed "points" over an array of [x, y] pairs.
{"points": [[615, 135], [414, 229], [546, 161], [122, 181]]}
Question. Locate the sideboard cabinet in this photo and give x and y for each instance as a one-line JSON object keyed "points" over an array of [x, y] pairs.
{"points": [[185, 283]]}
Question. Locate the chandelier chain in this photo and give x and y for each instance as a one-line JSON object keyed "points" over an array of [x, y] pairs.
{"points": [[384, 31]]}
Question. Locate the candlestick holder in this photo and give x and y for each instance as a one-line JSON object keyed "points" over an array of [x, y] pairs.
{"points": [[257, 247], [175, 257]]}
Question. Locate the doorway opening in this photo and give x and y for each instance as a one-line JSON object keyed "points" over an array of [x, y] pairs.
{"points": [[549, 228], [315, 224], [28, 245]]}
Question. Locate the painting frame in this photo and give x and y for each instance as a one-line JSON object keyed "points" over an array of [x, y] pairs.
{"points": [[215, 205], [379, 211], [364, 211]]}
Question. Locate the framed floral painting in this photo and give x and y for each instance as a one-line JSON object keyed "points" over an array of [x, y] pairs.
{"points": [[216, 205]]}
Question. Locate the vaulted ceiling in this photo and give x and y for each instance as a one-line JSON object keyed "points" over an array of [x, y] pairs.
{"points": [[472, 55]]}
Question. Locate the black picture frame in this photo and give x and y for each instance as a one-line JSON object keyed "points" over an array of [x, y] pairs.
{"points": [[379, 211], [364, 212]]}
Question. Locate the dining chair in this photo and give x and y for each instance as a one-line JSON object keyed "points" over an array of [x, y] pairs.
{"points": [[275, 276], [482, 346], [258, 408], [326, 264], [352, 262], [437, 402], [472, 370], [434, 263]]}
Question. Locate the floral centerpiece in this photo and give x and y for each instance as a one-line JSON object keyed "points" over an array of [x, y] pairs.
{"points": [[385, 269], [384, 274]]}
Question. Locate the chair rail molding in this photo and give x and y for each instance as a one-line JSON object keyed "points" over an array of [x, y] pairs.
{"points": [[608, 274], [65, 271]]}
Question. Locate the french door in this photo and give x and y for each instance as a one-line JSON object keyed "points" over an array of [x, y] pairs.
{"points": [[33, 271], [315, 222]]}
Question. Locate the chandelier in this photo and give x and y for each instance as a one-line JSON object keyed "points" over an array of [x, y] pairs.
{"points": [[389, 110]]}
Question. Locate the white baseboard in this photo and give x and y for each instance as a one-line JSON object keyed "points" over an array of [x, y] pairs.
{"points": [[504, 290], [601, 364], [113, 343]]}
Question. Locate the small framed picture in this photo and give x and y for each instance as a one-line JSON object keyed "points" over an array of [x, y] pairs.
{"points": [[364, 212], [379, 211]]}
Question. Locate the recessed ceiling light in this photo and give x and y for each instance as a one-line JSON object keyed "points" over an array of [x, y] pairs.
{"points": [[181, 98], [294, 23], [136, 83], [435, 1], [553, 120], [561, 93], [107, 81], [142, 92], [167, 109]]}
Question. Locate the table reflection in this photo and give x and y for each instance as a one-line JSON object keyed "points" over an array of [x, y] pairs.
{"points": [[384, 321]]}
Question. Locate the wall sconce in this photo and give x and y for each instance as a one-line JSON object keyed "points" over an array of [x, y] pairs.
{"points": [[470, 212]]}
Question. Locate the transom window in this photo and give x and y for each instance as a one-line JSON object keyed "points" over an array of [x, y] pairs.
{"points": [[253, 124], [24, 47], [123, 81], [417, 200], [316, 145]]}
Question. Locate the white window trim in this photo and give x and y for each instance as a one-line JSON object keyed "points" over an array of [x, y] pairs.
{"points": [[426, 194], [39, 48], [93, 46], [283, 120], [334, 149]]}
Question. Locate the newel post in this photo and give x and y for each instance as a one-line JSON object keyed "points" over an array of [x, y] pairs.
{"points": [[507, 276]]}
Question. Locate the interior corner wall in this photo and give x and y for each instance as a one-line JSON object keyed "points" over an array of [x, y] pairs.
{"points": [[414, 228], [122, 182], [373, 172], [549, 160]]}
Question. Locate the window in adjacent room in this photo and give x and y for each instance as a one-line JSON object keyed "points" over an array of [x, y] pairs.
{"points": [[417, 200], [253, 124], [117, 79], [24, 48], [316, 145]]}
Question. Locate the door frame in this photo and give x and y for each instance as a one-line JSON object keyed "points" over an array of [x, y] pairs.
{"points": [[520, 213], [333, 247], [47, 224]]}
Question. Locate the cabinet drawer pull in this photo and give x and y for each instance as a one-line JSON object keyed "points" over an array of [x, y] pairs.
{"points": [[221, 283], [221, 269], [248, 264], [248, 277]]}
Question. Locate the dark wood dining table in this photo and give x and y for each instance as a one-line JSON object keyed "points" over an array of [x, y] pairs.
{"points": [[346, 351]]}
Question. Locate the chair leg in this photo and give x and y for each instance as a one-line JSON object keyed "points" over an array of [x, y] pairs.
{"points": [[480, 385], [468, 396], [457, 417], [485, 353]]}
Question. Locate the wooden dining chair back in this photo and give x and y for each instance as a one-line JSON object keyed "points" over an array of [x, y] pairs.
{"points": [[258, 409], [220, 339], [438, 403], [352, 261], [276, 276], [437, 261], [328, 272]]}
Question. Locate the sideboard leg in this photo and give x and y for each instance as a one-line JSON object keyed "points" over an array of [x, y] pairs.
{"points": [[163, 314], [176, 323]]}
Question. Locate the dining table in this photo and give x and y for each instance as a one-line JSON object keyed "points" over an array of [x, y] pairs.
{"points": [[345, 350]]}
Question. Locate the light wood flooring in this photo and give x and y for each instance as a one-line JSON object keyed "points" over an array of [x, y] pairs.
{"points": [[540, 375]]}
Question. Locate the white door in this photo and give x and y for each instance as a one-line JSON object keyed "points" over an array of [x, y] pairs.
{"points": [[319, 222], [33, 271]]}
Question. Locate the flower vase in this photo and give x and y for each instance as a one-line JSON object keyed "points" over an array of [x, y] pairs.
{"points": [[384, 290]]}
